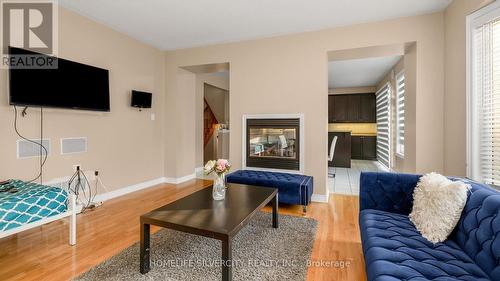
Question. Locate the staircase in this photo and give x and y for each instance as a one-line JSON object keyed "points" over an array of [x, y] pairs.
{"points": [[209, 123]]}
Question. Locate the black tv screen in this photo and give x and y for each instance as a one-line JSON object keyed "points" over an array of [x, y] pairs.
{"points": [[141, 99], [71, 85]]}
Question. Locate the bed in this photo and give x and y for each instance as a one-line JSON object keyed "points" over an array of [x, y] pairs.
{"points": [[34, 205]]}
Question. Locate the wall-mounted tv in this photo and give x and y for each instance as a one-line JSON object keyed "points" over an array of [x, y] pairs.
{"points": [[141, 99], [71, 85]]}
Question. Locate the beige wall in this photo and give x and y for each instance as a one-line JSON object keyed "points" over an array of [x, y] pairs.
{"points": [[367, 52], [285, 74], [288, 74], [124, 144], [455, 99], [412, 118]]}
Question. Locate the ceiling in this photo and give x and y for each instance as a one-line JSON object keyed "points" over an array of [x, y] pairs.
{"points": [[359, 72], [176, 24]]}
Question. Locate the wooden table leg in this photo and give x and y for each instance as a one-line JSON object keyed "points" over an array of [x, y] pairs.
{"points": [[144, 252], [275, 211], [227, 274]]}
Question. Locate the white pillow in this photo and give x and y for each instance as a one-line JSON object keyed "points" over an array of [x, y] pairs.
{"points": [[437, 205]]}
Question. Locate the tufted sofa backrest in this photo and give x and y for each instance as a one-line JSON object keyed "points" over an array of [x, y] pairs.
{"points": [[478, 230], [390, 192]]}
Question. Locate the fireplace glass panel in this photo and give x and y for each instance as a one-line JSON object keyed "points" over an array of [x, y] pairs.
{"points": [[278, 143]]}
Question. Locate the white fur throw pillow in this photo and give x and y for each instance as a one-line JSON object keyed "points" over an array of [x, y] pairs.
{"points": [[437, 205]]}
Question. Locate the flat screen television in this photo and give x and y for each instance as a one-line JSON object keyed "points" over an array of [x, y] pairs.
{"points": [[141, 99], [71, 85]]}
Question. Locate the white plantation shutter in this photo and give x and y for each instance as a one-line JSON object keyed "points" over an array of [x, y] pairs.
{"points": [[383, 125], [400, 114], [486, 102]]}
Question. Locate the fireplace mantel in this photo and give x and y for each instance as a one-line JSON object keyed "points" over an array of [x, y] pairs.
{"points": [[288, 144]]}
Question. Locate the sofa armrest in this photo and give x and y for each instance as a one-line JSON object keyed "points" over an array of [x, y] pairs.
{"points": [[389, 192]]}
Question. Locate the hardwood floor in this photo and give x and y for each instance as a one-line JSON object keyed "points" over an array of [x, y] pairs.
{"points": [[43, 253]]}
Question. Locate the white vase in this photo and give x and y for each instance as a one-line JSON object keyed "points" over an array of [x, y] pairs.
{"points": [[219, 188]]}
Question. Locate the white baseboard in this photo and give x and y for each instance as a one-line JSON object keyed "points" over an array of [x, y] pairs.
{"points": [[62, 183], [128, 189], [181, 179], [321, 198], [143, 185]]}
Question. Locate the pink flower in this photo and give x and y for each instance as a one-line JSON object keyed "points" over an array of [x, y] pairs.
{"points": [[222, 162], [221, 168]]}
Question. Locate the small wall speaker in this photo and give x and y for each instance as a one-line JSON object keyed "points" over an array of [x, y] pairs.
{"points": [[27, 149], [73, 145]]}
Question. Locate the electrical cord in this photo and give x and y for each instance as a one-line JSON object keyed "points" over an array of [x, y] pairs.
{"points": [[81, 188], [42, 147]]}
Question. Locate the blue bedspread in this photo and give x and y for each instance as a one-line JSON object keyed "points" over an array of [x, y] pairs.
{"points": [[31, 203]]}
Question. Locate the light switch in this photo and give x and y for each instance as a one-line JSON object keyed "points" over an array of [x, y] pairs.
{"points": [[153, 117]]}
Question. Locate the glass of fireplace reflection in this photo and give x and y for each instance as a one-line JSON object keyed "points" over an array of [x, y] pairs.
{"points": [[273, 143]]}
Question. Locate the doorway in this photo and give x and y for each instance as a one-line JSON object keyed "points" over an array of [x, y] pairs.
{"points": [[215, 123], [212, 113], [366, 113]]}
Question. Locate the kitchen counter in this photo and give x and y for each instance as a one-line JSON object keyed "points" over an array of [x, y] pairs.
{"points": [[356, 129], [357, 134], [363, 134]]}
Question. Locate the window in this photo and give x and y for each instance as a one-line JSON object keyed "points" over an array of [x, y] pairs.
{"points": [[383, 125], [400, 114], [483, 99]]}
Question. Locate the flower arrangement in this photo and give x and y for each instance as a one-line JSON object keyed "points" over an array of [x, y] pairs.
{"points": [[220, 167]]}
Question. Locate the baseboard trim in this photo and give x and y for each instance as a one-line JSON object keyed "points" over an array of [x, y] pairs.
{"points": [[128, 189], [181, 179], [140, 186], [320, 198]]}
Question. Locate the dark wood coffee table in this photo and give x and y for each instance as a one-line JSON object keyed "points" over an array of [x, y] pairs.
{"points": [[199, 214]]}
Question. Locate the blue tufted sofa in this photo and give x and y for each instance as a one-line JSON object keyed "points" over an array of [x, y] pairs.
{"points": [[394, 249], [292, 188]]}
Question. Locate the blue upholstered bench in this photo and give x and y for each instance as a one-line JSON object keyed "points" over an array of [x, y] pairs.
{"points": [[395, 250], [292, 188]]}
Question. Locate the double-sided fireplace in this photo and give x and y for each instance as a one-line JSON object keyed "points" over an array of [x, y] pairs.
{"points": [[273, 143]]}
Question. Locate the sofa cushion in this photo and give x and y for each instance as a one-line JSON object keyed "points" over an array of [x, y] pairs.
{"points": [[292, 188], [394, 250], [437, 206]]}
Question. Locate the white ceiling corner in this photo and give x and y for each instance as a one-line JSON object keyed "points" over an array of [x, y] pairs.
{"points": [[359, 72], [176, 24]]}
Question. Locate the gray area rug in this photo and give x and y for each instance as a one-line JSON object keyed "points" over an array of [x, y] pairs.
{"points": [[260, 252]]}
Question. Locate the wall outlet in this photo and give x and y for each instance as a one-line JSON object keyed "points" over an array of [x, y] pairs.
{"points": [[77, 166]]}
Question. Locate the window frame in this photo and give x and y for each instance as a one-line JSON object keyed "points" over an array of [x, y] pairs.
{"points": [[397, 151], [473, 21]]}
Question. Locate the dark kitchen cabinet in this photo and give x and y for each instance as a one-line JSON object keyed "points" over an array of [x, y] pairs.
{"points": [[342, 154], [338, 107], [367, 110], [370, 148], [352, 108], [364, 147], [356, 147], [331, 104]]}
